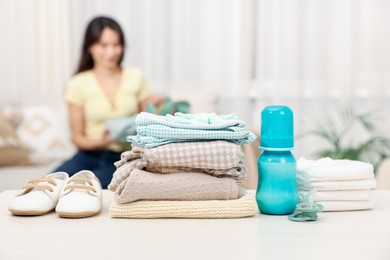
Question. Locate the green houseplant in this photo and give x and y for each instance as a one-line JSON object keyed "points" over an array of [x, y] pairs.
{"points": [[338, 132]]}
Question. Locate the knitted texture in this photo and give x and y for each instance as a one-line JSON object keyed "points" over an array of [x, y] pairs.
{"points": [[243, 207], [143, 185]]}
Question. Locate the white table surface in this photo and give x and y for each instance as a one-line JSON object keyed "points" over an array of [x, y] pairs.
{"points": [[336, 235]]}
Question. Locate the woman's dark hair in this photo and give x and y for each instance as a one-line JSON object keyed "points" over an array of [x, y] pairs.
{"points": [[92, 35]]}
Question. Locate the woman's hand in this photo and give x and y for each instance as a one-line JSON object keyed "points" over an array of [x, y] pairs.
{"points": [[154, 99], [77, 123], [106, 139]]}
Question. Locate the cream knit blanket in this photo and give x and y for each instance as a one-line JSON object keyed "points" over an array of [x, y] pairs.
{"points": [[143, 185], [243, 207]]}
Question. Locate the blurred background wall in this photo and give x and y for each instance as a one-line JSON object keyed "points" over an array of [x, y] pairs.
{"points": [[313, 55]]}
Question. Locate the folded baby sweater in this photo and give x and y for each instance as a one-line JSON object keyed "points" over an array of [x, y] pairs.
{"points": [[143, 185]]}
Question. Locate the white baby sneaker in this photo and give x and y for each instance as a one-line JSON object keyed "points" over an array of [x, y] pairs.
{"points": [[81, 197], [39, 196]]}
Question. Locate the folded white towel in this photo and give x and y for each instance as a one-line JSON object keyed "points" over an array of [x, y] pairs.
{"points": [[346, 205], [327, 169], [347, 195], [364, 184]]}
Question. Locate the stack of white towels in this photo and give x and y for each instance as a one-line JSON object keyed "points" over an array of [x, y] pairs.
{"points": [[340, 184]]}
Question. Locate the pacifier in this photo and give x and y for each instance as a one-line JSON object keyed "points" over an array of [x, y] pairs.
{"points": [[307, 210]]}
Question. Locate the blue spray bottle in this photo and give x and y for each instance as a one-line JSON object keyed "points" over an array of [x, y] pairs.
{"points": [[277, 190]]}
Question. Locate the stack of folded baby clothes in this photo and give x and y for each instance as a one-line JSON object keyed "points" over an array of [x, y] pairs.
{"points": [[340, 185], [183, 166]]}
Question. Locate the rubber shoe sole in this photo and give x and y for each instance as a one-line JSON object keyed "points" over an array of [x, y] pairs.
{"points": [[29, 212], [77, 215]]}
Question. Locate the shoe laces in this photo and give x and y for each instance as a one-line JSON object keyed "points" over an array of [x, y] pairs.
{"points": [[37, 184], [82, 184]]}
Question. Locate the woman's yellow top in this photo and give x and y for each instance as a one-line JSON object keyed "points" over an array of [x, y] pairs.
{"points": [[84, 90]]}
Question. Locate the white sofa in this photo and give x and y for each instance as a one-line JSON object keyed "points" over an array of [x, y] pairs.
{"points": [[44, 131]]}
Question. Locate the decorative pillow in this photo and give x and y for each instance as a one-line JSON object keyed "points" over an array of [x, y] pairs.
{"points": [[12, 151], [12, 113], [45, 131]]}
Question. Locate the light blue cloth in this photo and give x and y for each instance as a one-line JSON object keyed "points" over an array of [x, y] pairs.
{"points": [[120, 128], [145, 119], [153, 130], [201, 118]]}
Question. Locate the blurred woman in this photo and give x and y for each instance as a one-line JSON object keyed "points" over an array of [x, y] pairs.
{"points": [[101, 89]]}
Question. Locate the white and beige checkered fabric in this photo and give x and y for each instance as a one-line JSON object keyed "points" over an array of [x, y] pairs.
{"points": [[203, 155], [218, 158]]}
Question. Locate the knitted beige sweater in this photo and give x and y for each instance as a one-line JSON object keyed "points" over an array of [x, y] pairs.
{"points": [[143, 185]]}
